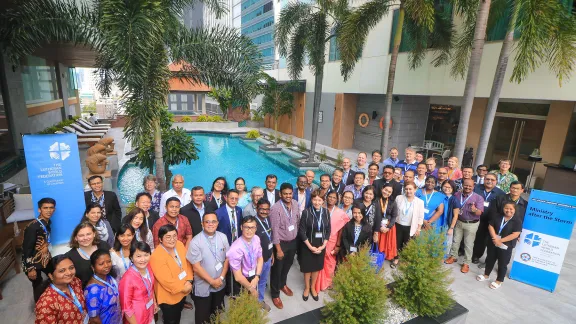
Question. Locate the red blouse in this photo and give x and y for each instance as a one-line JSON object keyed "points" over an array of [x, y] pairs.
{"points": [[53, 308]]}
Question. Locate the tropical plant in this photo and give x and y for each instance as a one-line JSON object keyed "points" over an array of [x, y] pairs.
{"points": [[224, 98], [339, 158], [277, 100], [289, 141], [301, 34], [89, 108], [359, 294], [271, 137], [244, 309], [216, 119], [302, 147], [257, 115], [323, 156], [422, 282], [279, 139], [547, 32], [202, 119], [426, 23], [134, 42], [253, 134], [186, 119]]}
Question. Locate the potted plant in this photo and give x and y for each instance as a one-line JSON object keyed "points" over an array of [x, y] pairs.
{"points": [[244, 309], [257, 119]]}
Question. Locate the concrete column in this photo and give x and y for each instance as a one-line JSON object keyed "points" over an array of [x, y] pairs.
{"points": [[62, 81], [555, 131], [13, 92], [344, 121], [203, 103]]}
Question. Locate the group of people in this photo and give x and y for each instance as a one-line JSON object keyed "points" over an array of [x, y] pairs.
{"points": [[208, 245]]}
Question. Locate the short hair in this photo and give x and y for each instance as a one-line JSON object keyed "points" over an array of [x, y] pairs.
{"points": [[271, 176], [513, 183], [173, 199], [505, 160], [508, 202], [164, 229], [210, 213], [256, 188], [410, 183], [362, 153], [143, 227], [389, 167], [74, 244], [324, 175], [233, 191], [46, 201], [431, 177], [339, 169], [468, 167], [95, 177], [394, 148], [262, 201], [143, 194], [410, 149], [491, 174], [149, 177], [377, 151], [421, 153], [412, 171], [286, 185], [97, 254], [360, 173], [177, 176], [248, 219], [316, 193], [301, 176], [347, 191], [139, 246], [431, 159], [197, 188], [481, 166], [451, 183], [421, 163], [373, 164]]}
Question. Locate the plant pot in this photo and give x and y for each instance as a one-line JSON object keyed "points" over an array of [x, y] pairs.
{"points": [[254, 124]]}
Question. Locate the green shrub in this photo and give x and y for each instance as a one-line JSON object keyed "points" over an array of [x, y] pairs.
{"points": [[253, 134], [339, 159], [302, 147], [323, 156], [271, 138], [216, 119], [50, 130], [279, 139], [257, 115], [289, 141], [244, 309], [422, 282], [202, 118], [359, 294], [186, 119]]}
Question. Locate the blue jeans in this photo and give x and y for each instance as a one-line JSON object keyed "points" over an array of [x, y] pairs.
{"points": [[264, 278]]}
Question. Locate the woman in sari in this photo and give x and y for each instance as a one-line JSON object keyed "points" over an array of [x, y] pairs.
{"points": [[338, 218], [387, 240]]}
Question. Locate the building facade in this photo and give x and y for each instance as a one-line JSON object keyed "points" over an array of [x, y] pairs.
{"points": [[257, 23]]}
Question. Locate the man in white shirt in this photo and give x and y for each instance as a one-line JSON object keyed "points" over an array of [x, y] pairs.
{"points": [[177, 191], [93, 119], [310, 175], [361, 164], [272, 194]]}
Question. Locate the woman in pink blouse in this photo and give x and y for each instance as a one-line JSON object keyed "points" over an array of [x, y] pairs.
{"points": [[137, 288]]}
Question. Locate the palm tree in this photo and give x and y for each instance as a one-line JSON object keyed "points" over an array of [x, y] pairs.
{"points": [[427, 26], [277, 100], [301, 34], [546, 34], [134, 41]]}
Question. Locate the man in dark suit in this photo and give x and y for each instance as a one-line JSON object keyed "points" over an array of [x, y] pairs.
{"points": [[348, 175], [481, 172], [387, 177], [196, 210], [107, 199], [230, 217], [144, 201], [302, 194], [271, 193]]}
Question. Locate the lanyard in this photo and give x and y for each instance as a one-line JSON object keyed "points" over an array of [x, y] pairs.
{"points": [[113, 286], [266, 230], [337, 188], [218, 200], [462, 203], [250, 254], [86, 256], [357, 230], [486, 196], [407, 207], [74, 299], [426, 197], [176, 256], [357, 194], [501, 178], [319, 221], [407, 166], [286, 211], [148, 287], [503, 224], [215, 253], [126, 265], [369, 209], [45, 230]]}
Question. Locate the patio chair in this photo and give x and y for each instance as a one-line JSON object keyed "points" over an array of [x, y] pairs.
{"points": [[84, 124], [443, 157], [99, 123], [434, 146], [89, 138], [85, 131], [17, 211]]}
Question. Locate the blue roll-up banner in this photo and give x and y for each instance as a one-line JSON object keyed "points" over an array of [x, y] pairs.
{"points": [[54, 171], [544, 240]]}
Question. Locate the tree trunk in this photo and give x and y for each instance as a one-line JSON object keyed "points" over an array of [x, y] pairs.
{"points": [[159, 160], [316, 111], [472, 77], [391, 77], [275, 128], [168, 174], [496, 88]]}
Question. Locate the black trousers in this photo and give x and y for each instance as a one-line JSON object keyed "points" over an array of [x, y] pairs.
{"points": [[280, 269], [37, 283], [237, 287], [206, 306], [171, 313], [482, 236], [402, 236], [502, 256]]}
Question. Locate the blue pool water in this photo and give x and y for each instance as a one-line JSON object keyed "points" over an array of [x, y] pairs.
{"points": [[220, 155]]}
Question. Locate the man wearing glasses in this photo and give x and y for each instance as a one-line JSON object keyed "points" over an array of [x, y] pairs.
{"points": [[442, 176], [481, 172], [264, 232], [230, 216], [387, 177], [108, 200], [489, 192], [256, 194], [431, 167], [302, 193]]}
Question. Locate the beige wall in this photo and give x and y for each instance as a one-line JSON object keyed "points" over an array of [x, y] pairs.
{"points": [[293, 125], [475, 124]]}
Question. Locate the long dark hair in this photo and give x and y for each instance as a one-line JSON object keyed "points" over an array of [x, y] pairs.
{"points": [[51, 268], [225, 189], [89, 207], [123, 228], [143, 227], [362, 208], [96, 255]]}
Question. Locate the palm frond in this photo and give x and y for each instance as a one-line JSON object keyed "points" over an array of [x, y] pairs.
{"points": [[176, 7], [441, 39], [562, 49], [353, 31], [297, 48], [421, 12], [462, 46], [499, 9], [315, 45], [291, 16]]}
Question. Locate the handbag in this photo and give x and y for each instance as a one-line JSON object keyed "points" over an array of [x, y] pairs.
{"points": [[376, 257]]}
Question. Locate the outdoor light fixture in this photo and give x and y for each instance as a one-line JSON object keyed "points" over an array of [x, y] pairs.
{"points": [[374, 114]]}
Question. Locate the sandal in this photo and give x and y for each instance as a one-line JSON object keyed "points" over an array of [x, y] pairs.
{"points": [[495, 285], [481, 277], [393, 265]]}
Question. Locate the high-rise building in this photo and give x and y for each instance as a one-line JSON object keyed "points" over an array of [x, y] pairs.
{"points": [[257, 23], [201, 15]]}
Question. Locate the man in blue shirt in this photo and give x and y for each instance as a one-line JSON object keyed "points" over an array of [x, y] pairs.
{"points": [[410, 162], [393, 159]]}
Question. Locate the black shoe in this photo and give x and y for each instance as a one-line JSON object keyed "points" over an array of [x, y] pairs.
{"points": [[305, 298], [315, 297], [475, 260]]}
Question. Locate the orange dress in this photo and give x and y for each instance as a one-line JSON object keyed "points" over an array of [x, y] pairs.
{"points": [[387, 241], [338, 218]]}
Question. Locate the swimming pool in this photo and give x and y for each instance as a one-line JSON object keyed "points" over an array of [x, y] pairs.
{"points": [[220, 155]]}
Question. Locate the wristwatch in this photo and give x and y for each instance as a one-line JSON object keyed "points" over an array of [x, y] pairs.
{"points": [[222, 278], [257, 275]]}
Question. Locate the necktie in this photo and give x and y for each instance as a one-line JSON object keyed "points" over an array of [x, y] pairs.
{"points": [[233, 224], [345, 176]]}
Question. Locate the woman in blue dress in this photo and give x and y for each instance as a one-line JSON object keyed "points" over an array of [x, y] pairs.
{"points": [[244, 196], [101, 292], [433, 204]]}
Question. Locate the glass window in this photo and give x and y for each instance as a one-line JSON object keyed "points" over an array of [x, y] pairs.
{"points": [[6, 142], [267, 52], [174, 106], [236, 11], [334, 53], [256, 13], [39, 80], [569, 155], [258, 26], [262, 39], [184, 98], [72, 81], [173, 98], [523, 108], [443, 124]]}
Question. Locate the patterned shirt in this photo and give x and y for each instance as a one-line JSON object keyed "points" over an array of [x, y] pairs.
{"points": [[352, 188], [182, 225], [100, 201], [284, 223], [103, 301], [54, 308], [504, 180], [35, 253], [405, 166], [155, 204]]}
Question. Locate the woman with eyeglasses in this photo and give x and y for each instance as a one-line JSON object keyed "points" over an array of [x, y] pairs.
{"points": [[314, 231], [347, 201], [217, 195], [357, 232], [151, 185], [173, 274], [121, 252], [93, 215], [243, 195], [101, 292], [373, 211]]}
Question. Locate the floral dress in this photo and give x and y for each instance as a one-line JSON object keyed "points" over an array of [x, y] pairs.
{"points": [[54, 308], [155, 204]]}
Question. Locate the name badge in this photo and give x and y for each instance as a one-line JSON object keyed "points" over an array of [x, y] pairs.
{"points": [[270, 246], [486, 204], [251, 273], [318, 235], [182, 275], [149, 304], [218, 266], [291, 228], [353, 249], [426, 211]]}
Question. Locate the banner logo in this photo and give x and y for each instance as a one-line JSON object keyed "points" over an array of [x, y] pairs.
{"points": [[532, 239], [59, 151]]}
